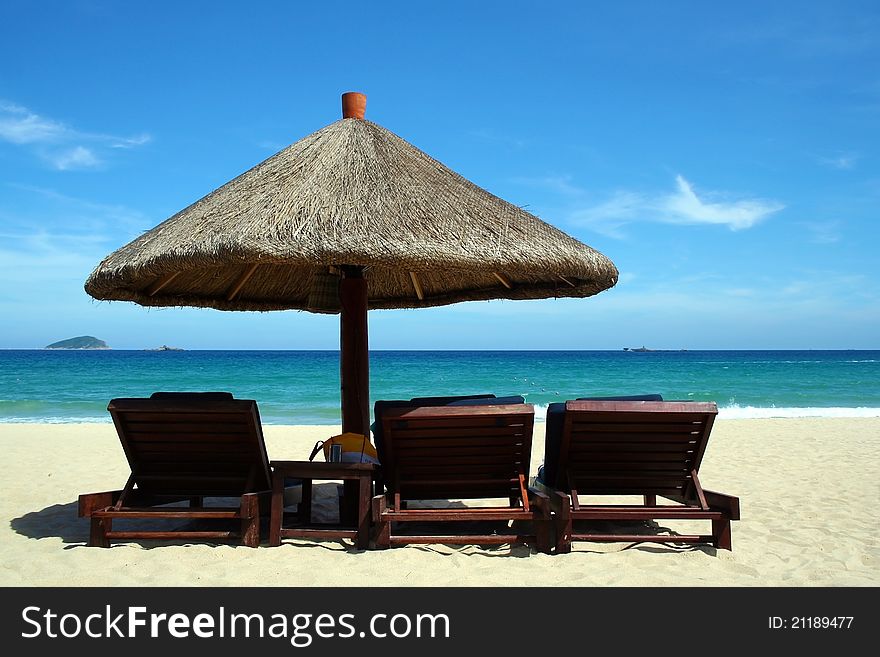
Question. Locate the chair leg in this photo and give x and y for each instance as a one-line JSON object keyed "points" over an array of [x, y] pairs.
{"points": [[382, 527], [250, 520], [98, 532], [563, 524], [544, 539], [304, 508], [542, 520], [650, 500], [277, 510], [721, 533]]}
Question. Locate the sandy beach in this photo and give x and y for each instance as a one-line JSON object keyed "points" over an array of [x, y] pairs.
{"points": [[808, 489]]}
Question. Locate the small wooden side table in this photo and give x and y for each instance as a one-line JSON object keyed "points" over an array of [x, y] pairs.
{"points": [[359, 474]]}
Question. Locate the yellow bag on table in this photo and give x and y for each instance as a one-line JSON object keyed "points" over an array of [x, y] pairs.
{"points": [[352, 448]]}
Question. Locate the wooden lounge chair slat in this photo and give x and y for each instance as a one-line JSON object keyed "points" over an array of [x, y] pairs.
{"points": [[186, 424], [487, 481], [636, 490], [455, 515], [493, 453], [670, 437], [625, 480], [470, 474], [182, 512], [172, 535], [465, 445], [610, 456], [459, 539], [461, 414], [638, 427], [641, 513], [636, 448], [589, 465], [180, 415], [464, 459], [501, 434], [193, 449], [644, 538]]}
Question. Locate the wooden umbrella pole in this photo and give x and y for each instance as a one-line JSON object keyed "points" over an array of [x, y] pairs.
{"points": [[354, 351]]}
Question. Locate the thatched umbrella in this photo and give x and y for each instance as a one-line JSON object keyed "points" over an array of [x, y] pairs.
{"points": [[348, 218]]}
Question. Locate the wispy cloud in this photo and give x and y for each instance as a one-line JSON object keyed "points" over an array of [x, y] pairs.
{"points": [[844, 161], [20, 126], [270, 145], [63, 147], [559, 184], [804, 35], [78, 157], [46, 211], [683, 206], [488, 135], [686, 207], [823, 232]]}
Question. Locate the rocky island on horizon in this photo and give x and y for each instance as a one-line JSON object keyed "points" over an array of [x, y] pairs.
{"points": [[80, 342]]}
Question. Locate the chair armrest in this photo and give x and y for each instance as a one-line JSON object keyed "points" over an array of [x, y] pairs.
{"points": [[727, 503], [378, 505], [540, 500], [91, 502]]}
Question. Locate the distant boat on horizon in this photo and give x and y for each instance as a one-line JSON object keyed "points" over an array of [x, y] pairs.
{"points": [[643, 348]]}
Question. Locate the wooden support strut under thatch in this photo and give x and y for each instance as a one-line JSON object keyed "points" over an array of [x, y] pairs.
{"points": [[160, 283], [417, 286], [241, 282], [504, 280]]}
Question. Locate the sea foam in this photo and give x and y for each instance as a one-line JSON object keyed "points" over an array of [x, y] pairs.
{"points": [[737, 412]]}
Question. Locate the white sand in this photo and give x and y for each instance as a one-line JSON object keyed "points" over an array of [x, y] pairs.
{"points": [[808, 488]]}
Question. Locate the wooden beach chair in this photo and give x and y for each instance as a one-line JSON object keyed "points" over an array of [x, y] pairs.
{"points": [[460, 453], [185, 447], [383, 405], [645, 448]]}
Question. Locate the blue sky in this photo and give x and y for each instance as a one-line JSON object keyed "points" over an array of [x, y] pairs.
{"points": [[723, 155]]}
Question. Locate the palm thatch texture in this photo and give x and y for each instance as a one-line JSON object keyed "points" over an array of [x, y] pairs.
{"points": [[351, 194]]}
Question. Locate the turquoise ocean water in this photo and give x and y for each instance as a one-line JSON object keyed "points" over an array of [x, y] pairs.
{"points": [[302, 387]]}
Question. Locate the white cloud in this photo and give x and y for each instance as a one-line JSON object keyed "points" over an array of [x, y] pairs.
{"points": [[78, 157], [128, 142], [62, 146], [20, 126], [684, 206]]}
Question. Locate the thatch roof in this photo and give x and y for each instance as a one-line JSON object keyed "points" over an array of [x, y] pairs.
{"points": [[352, 193]]}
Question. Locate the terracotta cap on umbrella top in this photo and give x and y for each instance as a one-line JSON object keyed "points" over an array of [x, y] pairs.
{"points": [[354, 105]]}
